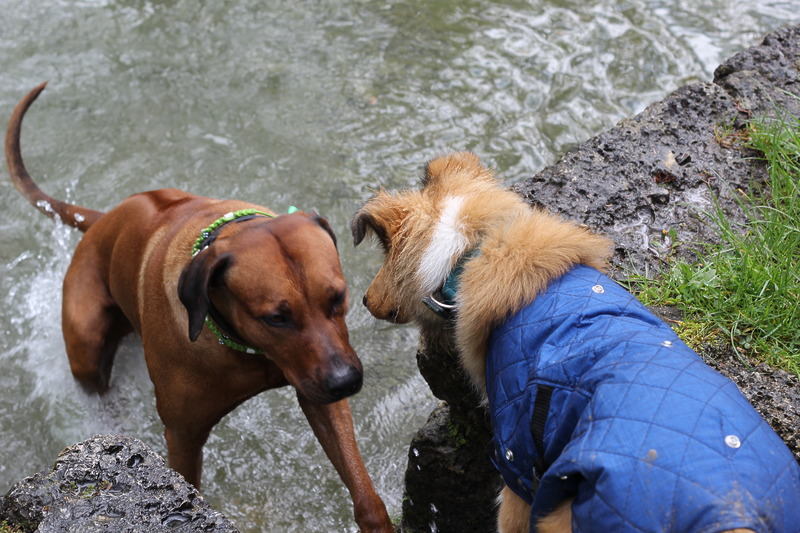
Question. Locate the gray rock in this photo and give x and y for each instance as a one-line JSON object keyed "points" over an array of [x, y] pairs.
{"points": [[448, 472], [449, 450], [644, 183], [765, 77], [113, 484]]}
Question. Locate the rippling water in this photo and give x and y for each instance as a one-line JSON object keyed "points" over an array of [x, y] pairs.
{"points": [[311, 103]]}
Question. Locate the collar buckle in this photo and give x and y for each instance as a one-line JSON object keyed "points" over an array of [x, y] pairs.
{"points": [[444, 310], [443, 303]]}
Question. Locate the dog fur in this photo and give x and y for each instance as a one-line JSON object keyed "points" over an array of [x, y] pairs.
{"points": [[424, 232], [275, 280], [522, 250]]}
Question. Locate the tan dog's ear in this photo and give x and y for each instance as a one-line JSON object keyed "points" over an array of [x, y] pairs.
{"points": [[362, 222], [382, 215], [204, 269], [448, 164]]}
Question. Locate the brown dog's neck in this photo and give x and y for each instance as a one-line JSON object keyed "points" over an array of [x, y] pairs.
{"points": [[209, 234], [225, 331]]}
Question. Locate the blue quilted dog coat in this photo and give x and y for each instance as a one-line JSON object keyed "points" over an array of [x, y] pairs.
{"points": [[593, 397]]}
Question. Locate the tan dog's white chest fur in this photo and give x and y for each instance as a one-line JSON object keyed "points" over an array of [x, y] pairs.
{"points": [[460, 206], [447, 243]]}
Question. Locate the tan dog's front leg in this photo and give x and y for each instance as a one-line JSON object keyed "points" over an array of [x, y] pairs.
{"points": [[559, 521], [333, 426], [514, 515]]}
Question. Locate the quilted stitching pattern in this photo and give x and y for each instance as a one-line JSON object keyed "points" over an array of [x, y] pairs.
{"points": [[665, 442]]}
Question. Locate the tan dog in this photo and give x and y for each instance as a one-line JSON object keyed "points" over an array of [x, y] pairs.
{"points": [[504, 256], [269, 282], [424, 233]]}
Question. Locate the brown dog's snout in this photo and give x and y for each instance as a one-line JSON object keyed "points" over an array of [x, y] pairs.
{"points": [[343, 380]]}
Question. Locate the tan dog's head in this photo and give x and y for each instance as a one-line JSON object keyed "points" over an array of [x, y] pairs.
{"points": [[279, 284], [424, 232], [461, 207]]}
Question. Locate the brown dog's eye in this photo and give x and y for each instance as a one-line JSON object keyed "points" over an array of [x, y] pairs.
{"points": [[277, 320], [337, 303]]}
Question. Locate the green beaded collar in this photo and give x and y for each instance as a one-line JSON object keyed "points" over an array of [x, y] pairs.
{"points": [[207, 237]]}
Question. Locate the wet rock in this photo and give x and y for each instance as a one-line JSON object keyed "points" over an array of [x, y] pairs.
{"points": [[450, 485], [644, 183], [765, 76], [109, 483], [447, 474]]}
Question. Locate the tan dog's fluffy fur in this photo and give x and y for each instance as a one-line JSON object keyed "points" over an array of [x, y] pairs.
{"points": [[424, 232], [522, 250]]}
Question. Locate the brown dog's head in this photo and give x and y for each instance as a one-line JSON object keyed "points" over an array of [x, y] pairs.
{"points": [[278, 285], [424, 232]]}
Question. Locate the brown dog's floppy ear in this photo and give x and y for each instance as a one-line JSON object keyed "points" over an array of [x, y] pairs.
{"points": [[197, 275], [327, 227]]}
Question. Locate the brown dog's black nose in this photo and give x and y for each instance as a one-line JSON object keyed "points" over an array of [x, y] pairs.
{"points": [[343, 381], [364, 300]]}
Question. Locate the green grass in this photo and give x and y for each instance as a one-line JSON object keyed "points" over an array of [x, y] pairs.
{"points": [[5, 528], [746, 290]]}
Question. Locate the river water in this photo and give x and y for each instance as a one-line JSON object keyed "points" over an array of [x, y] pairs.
{"points": [[307, 103]]}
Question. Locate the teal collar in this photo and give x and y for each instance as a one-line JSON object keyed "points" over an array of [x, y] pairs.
{"points": [[215, 323], [444, 303]]}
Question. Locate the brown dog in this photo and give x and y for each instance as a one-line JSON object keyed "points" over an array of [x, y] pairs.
{"points": [[522, 295], [269, 282]]}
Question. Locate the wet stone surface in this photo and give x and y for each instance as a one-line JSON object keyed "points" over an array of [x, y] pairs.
{"points": [[109, 483], [463, 480], [645, 184]]}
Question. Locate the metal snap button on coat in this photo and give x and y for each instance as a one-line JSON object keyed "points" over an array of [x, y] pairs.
{"points": [[598, 289], [509, 455], [733, 441]]}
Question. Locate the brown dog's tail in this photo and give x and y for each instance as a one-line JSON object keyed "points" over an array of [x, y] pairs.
{"points": [[72, 215]]}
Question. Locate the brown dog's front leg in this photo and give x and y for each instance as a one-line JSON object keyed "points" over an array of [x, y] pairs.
{"points": [[333, 426], [185, 454]]}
